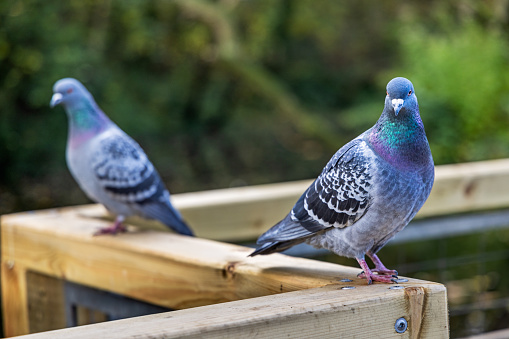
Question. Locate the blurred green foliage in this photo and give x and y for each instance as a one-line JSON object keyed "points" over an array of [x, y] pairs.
{"points": [[233, 92], [228, 92]]}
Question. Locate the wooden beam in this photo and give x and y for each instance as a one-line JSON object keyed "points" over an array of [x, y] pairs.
{"points": [[240, 214], [161, 268], [233, 214], [326, 312], [466, 187], [14, 298], [181, 272], [164, 269], [45, 302]]}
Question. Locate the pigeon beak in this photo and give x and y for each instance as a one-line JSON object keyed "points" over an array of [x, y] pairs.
{"points": [[55, 100], [397, 104]]}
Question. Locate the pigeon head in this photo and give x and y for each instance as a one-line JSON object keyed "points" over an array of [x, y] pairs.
{"points": [[69, 92], [85, 117], [399, 136], [400, 95]]}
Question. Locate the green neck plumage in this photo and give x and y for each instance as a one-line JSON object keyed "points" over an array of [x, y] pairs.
{"points": [[401, 139], [85, 121]]}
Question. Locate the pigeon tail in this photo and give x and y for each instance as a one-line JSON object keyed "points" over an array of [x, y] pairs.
{"points": [[275, 246], [168, 216]]}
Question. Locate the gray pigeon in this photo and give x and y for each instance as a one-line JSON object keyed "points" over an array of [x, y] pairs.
{"points": [[110, 167], [369, 191]]}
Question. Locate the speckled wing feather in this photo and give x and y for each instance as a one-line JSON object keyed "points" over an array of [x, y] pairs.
{"points": [[125, 172], [340, 195], [337, 198]]}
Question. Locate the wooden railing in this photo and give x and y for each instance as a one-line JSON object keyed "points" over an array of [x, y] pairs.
{"points": [[276, 294]]}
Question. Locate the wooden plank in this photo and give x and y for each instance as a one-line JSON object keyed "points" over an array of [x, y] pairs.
{"points": [[14, 299], [326, 312], [45, 300], [468, 187], [500, 334], [180, 272], [232, 214], [240, 214], [160, 268], [14, 290], [87, 316]]}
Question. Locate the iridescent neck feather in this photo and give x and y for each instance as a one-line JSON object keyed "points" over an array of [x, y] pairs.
{"points": [[85, 121], [401, 140]]}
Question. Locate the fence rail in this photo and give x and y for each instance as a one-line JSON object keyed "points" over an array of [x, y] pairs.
{"points": [[182, 273]]}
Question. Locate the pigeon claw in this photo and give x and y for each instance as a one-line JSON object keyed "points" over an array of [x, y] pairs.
{"points": [[385, 271], [113, 229], [379, 274], [376, 276]]}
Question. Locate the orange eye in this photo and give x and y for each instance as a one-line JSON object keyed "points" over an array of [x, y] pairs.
{"points": [[386, 92], [69, 91], [410, 92]]}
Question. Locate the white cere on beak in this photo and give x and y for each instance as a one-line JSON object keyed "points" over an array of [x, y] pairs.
{"points": [[55, 99], [397, 104]]}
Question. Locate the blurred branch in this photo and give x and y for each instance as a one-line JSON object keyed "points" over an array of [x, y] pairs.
{"points": [[229, 54], [217, 19]]}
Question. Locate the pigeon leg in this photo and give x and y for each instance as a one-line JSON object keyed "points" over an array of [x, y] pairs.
{"points": [[117, 227], [380, 267], [370, 276]]}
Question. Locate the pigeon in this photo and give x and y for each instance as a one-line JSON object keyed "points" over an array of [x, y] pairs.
{"points": [[368, 191], [109, 166]]}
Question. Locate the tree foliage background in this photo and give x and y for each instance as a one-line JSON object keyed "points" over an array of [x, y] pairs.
{"points": [[224, 93], [233, 92]]}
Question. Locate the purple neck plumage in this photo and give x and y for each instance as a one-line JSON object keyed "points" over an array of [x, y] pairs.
{"points": [[86, 120], [401, 140]]}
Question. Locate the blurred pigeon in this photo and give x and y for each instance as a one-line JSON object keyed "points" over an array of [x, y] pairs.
{"points": [[369, 191], [110, 167]]}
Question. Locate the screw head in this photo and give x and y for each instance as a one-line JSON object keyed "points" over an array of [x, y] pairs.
{"points": [[397, 287], [348, 287], [346, 280], [402, 280], [401, 325]]}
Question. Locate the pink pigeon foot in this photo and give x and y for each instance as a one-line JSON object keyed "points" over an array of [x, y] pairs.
{"points": [[117, 227], [380, 267], [370, 276]]}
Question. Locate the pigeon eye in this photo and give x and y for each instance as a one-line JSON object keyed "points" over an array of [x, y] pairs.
{"points": [[386, 92], [410, 92], [69, 91]]}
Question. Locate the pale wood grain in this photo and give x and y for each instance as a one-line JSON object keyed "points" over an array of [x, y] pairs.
{"points": [[416, 309], [327, 312], [467, 187], [162, 268], [14, 300], [181, 272], [45, 302]]}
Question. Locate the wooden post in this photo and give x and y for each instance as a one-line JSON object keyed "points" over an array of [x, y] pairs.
{"points": [[14, 298]]}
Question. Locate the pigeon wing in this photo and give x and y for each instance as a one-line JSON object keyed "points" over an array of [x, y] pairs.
{"points": [[124, 171], [339, 197]]}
